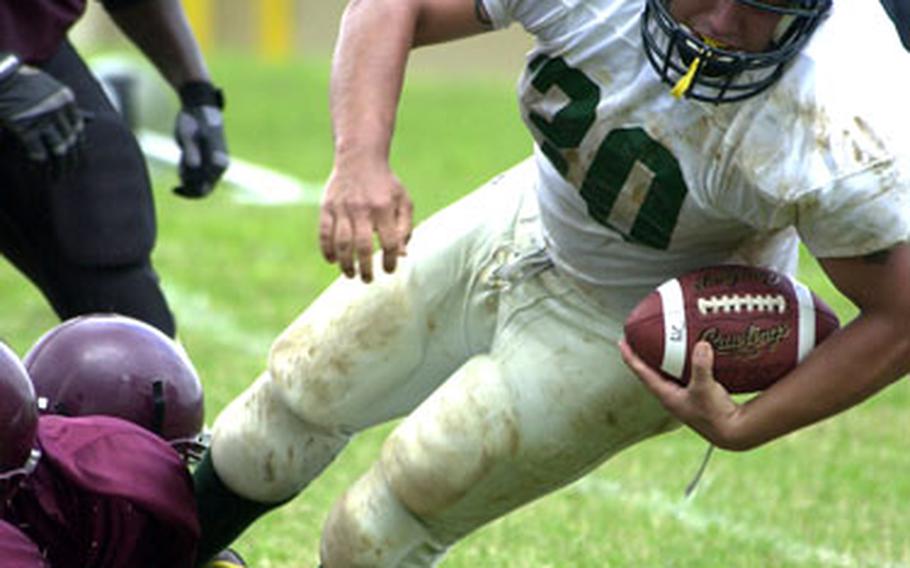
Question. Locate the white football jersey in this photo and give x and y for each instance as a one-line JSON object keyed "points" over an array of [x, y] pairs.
{"points": [[636, 187]]}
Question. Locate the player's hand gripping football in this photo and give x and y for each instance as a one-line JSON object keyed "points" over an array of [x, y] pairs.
{"points": [[360, 199], [199, 131], [703, 404], [41, 113]]}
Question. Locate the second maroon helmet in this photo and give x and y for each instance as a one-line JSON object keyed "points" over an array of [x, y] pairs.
{"points": [[118, 366], [18, 418]]}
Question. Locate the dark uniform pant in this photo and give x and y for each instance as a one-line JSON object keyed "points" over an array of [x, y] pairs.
{"points": [[899, 12], [85, 239]]}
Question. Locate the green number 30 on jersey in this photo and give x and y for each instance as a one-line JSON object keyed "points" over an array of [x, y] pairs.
{"points": [[633, 185]]}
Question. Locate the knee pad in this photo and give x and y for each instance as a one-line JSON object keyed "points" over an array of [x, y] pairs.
{"points": [[369, 527], [302, 383], [346, 362], [265, 452], [417, 500], [460, 437]]}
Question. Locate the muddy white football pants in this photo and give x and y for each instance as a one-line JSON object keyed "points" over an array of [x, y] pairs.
{"points": [[508, 373]]}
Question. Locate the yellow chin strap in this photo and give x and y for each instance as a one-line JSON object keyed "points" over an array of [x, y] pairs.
{"points": [[682, 86]]}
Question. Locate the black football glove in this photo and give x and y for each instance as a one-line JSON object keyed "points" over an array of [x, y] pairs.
{"points": [[41, 113], [199, 131]]}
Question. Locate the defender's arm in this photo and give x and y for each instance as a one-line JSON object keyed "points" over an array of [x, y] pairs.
{"points": [[160, 29]]}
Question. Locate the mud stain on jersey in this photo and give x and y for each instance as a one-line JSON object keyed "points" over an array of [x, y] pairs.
{"points": [[576, 172], [822, 134], [696, 133], [864, 127]]}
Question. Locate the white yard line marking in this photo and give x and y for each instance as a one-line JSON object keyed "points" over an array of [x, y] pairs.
{"points": [[195, 311], [660, 504], [255, 184]]}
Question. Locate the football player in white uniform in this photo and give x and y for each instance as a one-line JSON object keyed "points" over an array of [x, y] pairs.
{"points": [[669, 135]]}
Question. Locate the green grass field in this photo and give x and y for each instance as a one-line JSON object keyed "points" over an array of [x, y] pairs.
{"points": [[834, 495]]}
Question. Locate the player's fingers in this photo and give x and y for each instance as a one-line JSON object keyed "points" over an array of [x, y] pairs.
{"points": [[344, 245], [186, 133], [57, 141], [327, 234], [192, 154], [67, 122], [652, 380], [55, 146], [702, 364], [76, 119], [73, 141], [389, 239], [363, 248], [405, 223], [66, 151], [34, 146]]}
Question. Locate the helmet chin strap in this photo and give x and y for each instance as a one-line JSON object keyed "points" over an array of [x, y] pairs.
{"points": [[682, 86]]}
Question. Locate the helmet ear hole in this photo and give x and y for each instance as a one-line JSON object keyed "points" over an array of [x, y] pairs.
{"points": [[158, 407], [118, 366]]}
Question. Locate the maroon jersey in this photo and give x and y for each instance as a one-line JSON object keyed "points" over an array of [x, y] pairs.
{"points": [[17, 550], [107, 493], [34, 29]]}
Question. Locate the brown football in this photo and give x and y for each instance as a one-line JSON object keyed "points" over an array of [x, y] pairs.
{"points": [[760, 323]]}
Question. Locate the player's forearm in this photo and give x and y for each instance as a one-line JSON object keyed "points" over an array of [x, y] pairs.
{"points": [[367, 75], [867, 355], [160, 30]]}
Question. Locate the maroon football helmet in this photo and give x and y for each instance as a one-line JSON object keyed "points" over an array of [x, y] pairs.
{"points": [[18, 420], [118, 366]]}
